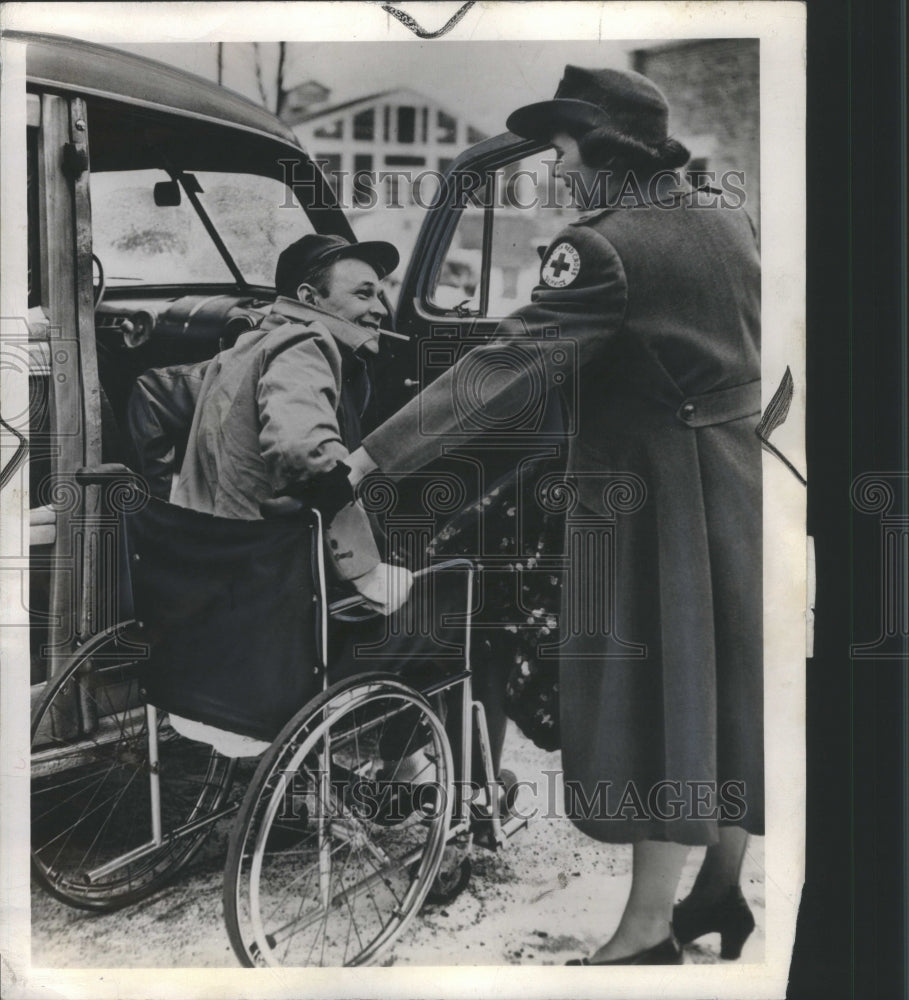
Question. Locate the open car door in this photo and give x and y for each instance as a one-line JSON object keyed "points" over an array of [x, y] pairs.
{"points": [[477, 260]]}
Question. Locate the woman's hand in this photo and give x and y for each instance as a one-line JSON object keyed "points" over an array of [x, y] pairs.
{"points": [[360, 464]]}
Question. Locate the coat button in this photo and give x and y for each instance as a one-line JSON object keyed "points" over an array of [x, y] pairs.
{"points": [[688, 411]]}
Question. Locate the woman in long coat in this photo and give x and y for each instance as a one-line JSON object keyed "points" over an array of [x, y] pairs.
{"points": [[657, 293]]}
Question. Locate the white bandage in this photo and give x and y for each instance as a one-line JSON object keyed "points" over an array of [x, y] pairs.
{"points": [[385, 588]]}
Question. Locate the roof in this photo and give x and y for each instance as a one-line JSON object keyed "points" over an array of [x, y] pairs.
{"points": [[332, 109], [84, 67]]}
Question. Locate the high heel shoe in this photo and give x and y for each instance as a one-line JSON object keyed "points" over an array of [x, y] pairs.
{"points": [[666, 952], [730, 916]]}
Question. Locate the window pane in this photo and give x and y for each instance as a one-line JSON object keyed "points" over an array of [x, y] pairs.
{"points": [[447, 127], [529, 212], [257, 218], [138, 241], [532, 211], [330, 130], [364, 124], [407, 124], [364, 179], [457, 282], [141, 242], [397, 160]]}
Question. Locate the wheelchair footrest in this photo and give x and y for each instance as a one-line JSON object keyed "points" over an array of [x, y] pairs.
{"points": [[492, 833]]}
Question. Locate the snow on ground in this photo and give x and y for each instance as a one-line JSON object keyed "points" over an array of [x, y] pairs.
{"points": [[550, 894]]}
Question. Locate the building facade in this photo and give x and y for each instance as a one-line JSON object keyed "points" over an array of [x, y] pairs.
{"points": [[391, 145]]}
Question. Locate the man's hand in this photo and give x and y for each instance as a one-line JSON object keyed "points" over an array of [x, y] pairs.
{"points": [[385, 588], [360, 464]]}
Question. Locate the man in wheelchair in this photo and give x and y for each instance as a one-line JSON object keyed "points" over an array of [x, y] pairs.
{"points": [[278, 413], [375, 773], [267, 424]]}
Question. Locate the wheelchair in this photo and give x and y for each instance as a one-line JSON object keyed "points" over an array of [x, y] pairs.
{"points": [[365, 804]]}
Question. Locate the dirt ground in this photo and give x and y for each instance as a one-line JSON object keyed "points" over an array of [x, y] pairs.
{"points": [[549, 895]]}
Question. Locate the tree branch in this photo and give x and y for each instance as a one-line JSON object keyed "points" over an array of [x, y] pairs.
{"points": [[280, 91], [257, 59]]}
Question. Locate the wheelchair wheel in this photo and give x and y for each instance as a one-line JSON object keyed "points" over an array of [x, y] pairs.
{"points": [[342, 830], [96, 840]]}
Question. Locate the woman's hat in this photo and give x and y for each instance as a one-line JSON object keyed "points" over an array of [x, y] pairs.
{"points": [[623, 104]]}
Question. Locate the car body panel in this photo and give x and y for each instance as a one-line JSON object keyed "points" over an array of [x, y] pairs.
{"points": [[74, 65]]}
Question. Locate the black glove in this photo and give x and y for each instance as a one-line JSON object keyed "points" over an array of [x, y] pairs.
{"points": [[327, 492]]}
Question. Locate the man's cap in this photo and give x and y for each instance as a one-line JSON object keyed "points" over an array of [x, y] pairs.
{"points": [[315, 251], [621, 102]]}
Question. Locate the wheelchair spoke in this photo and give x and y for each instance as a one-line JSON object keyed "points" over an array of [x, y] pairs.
{"points": [[77, 787], [86, 812], [90, 798], [361, 870], [353, 920]]}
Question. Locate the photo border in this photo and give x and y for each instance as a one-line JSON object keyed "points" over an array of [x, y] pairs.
{"points": [[780, 26]]}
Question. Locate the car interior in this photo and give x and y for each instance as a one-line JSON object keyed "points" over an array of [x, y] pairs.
{"points": [[186, 226]]}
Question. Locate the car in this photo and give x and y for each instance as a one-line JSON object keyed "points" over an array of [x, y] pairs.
{"points": [[157, 204]]}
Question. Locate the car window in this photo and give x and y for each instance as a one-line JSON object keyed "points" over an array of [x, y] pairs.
{"points": [[529, 206], [457, 282], [257, 218], [139, 242]]}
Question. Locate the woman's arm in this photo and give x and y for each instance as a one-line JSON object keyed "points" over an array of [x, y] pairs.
{"points": [[527, 359]]}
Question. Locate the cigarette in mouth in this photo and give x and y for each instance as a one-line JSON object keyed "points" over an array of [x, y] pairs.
{"points": [[397, 336]]}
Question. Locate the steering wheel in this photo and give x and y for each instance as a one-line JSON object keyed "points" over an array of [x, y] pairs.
{"points": [[97, 288]]}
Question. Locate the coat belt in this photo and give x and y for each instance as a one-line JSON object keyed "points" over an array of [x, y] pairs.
{"points": [[721, 406]]}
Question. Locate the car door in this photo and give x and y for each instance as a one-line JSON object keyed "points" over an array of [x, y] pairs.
{"points": [[476, 260], [64, 417]]}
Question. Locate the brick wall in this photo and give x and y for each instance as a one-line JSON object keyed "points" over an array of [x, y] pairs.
{"points": [[713, 89]]}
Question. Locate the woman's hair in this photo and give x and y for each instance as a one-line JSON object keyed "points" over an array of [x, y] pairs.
{"points": [[599, 146]]}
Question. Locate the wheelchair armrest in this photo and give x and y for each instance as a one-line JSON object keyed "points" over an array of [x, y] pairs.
{"points": [[342, 608]]}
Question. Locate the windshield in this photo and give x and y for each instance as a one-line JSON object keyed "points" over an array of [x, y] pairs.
{"points": [[139, 242]]}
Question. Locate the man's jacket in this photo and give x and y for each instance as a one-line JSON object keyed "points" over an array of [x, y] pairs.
{"points": [[266, 422]]}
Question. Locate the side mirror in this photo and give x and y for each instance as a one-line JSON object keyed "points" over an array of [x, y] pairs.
{"points": [[167, 194]]}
